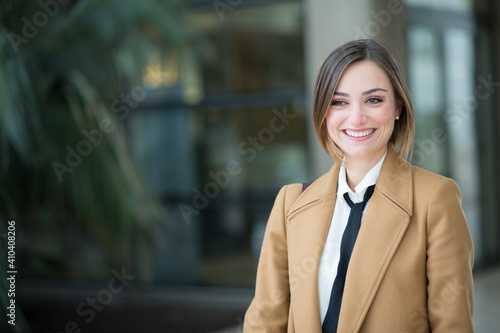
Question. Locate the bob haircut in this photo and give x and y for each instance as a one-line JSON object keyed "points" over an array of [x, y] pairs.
{"points": [[328, 77]]}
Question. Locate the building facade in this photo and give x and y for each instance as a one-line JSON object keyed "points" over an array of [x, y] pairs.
{"points": [[235, 126]]}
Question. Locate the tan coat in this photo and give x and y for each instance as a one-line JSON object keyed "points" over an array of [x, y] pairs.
{"points": [[410, 270]]}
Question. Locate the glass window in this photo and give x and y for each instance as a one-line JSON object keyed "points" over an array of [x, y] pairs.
{"points": [[441, 76], [462, 103], [460, 5], [426, 84], [253, 48], [219, 141], [218, 172]]}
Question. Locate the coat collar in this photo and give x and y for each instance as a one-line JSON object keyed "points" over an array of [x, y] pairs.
{"points": [[380, 234], [394, 182]]}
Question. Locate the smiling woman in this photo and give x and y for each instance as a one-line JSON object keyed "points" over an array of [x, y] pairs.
{"points": [[361, 119], [377, 78], [375, 240]]}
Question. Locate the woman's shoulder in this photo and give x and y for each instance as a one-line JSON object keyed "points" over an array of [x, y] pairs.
{"points": [[289, 193], [424, 179], [293, 190], [426, 175]]}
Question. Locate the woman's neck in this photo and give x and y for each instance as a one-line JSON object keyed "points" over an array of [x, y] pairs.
{"points": [[357, 168]]}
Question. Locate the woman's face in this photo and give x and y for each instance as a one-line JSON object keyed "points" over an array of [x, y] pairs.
{"points": [[361, 118]]}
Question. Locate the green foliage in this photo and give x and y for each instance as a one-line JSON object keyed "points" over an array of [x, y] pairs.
{"points": [[56, 84]]}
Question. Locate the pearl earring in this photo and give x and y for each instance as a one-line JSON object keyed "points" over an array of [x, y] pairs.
{"points": [[397, 117]]}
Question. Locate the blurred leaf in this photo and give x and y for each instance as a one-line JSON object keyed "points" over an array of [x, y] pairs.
{"points": [[65, 164]]}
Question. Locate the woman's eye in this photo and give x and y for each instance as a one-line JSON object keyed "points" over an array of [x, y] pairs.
{"points": [[338, 102], [374, 100]]}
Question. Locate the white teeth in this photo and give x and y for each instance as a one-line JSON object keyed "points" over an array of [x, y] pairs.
{"points": [[359, 134]]}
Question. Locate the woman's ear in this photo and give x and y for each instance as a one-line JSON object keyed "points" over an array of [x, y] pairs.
{"points": [[399, 107]]}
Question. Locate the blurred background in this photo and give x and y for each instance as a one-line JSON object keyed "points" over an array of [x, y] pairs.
{"points": [[143, 144]]}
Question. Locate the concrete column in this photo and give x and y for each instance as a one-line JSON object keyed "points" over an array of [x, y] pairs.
{"points": [[494, 224], [331, 23], [488, 122]]}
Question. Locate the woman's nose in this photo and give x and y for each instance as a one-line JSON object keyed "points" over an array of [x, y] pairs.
{"points": [[357, 116]]}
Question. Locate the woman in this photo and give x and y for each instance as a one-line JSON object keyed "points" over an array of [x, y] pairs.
{"points": [[410, 269]]}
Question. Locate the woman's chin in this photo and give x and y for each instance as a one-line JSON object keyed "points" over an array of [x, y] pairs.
{"points": [[363, 154]]}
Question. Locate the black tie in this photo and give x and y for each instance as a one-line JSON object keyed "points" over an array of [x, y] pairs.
{"points": [[346, 246]]}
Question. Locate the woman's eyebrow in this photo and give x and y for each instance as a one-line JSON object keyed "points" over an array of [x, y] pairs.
{"points": [[368, 92], [371, 91]]}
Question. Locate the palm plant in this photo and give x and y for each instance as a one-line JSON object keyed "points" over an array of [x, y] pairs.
{"points": [[63, 83]]}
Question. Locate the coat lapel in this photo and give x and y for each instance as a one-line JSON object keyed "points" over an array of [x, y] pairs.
{"points": [[385, 222], [309, 221], [380, 234]]}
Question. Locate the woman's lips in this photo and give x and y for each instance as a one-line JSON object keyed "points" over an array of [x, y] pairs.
{"points": [[359, 134]]}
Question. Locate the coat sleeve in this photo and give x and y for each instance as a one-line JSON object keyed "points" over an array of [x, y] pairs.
{"points": [[268, 311], [449, 261]]}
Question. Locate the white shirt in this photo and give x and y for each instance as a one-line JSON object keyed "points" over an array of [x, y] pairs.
{"points": [[331, 252]]}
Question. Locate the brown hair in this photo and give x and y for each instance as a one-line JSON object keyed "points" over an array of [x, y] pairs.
{"points": [[329, 75]]}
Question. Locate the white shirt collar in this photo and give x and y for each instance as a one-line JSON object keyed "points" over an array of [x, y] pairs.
{"points": [[369, 179]]}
